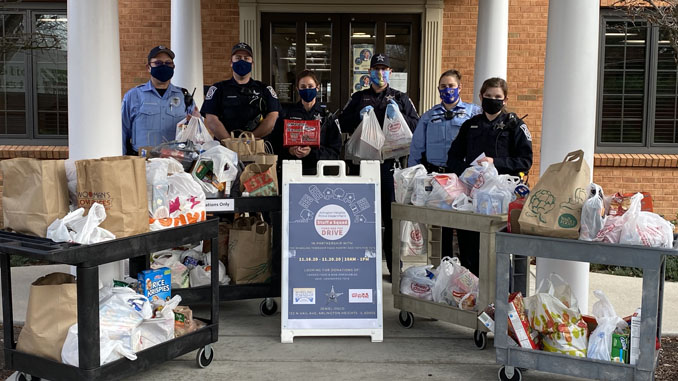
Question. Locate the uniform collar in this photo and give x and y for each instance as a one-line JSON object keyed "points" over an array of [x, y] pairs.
{"points": [[232, 81], [459, 105], [149, 87]]}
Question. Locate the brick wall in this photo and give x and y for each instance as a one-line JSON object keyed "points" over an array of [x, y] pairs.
{"points": [[145, 24], [526, 54]]}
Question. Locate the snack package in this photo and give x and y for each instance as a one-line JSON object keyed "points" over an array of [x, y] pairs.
{"points": [[183, 321], [156, 284], [487, 317], [620, 203], [519, 326], [620, 347]]}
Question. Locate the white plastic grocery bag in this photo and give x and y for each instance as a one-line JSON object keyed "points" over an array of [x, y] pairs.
{"points": [[159, 329], [403, 180], [397, 136], [592, 213], [416, 281], [645, 228], [367, 140], [600, 341], [422, 188], [75, 227], [412, 239], [193, 130]]}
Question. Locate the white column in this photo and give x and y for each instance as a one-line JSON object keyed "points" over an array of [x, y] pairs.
{"points": [[186, 43], [570, 53], [491, 43], [94, 98], [431, 57], [249, 33]]}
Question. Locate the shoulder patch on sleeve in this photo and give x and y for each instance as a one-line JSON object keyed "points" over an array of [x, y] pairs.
{"points": [[210, 93], [526, 132], [273, 94]]}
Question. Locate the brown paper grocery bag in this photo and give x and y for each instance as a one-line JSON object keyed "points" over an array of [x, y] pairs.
{"points": [[34, 194], [52, 309], [553, 207], [245, 145], [249, 251], [119, 184], [259, 180]]}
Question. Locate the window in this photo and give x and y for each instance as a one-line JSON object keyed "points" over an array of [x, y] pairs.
{"points": [[638, 90], [33, 79]]}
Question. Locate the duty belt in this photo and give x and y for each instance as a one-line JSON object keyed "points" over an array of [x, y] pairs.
{"points": [[435, 168]]}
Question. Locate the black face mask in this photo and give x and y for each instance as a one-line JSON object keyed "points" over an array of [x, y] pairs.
{"points": [[492, 106]]}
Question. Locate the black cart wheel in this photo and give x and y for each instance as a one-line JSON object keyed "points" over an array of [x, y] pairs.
{"points": [[205, 356], [480, 338], [268, 307], [27, 377], [406, 319], [517, 375]]}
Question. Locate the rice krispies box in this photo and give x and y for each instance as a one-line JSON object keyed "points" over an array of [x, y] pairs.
{"points": [[156, 284]]}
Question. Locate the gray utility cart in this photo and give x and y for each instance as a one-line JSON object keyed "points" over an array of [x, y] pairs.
{"points": [[651, 260], [487, 226]]}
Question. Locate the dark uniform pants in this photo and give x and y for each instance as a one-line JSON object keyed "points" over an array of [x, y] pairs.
{"points": [[469, 249], [387, 197]]}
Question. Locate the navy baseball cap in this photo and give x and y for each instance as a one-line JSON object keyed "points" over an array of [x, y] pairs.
{"points": [[242, 46], [380, 59], [160, 49]]}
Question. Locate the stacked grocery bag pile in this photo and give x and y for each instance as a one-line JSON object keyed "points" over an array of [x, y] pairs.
{"points": [[564, 204], [96, 200]]}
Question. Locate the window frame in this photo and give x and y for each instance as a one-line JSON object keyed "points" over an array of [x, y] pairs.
{"points": [[649, 92], [31, 137]]}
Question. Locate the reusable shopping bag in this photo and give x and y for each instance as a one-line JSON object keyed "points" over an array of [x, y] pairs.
{"points": [[52, 309], [554, 312], [397, 136], [249, 251], [259, 180], [193, 130], [553, 208], [245, 145], [119, 184], [34, 194]]}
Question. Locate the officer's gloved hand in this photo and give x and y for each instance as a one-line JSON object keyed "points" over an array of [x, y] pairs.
{"points": [[391, 109], [365, 110]]}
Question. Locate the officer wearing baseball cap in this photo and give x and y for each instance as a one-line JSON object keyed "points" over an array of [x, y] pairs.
{"points": [[151, 111], [384, 101], [240, 103]]}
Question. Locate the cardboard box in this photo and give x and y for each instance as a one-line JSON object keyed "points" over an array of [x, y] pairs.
{"points": [[156, 284], [620, 348]]}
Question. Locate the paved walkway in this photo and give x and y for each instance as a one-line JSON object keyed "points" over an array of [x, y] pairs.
{"points": [[249, 345]]}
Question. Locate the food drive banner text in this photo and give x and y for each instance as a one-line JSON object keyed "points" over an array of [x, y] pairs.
{"points": [[332, 252]]}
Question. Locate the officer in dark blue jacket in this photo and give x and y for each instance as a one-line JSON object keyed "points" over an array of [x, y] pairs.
{"points": [[506, 143], [384, 100]]}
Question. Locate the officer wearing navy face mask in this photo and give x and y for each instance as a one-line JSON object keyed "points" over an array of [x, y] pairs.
{"points": [[150, 112], [384, 100], [438, 127], [240, 103]]}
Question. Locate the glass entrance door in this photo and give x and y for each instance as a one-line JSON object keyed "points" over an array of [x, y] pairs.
{"points": [[339, 48]]}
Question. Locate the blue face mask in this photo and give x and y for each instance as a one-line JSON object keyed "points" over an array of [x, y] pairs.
{"points": [[308, 95], [162, 73], [242, 67], [449, 95], [379, 78]]}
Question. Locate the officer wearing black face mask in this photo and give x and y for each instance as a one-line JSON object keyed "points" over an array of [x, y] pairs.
{"points": [[150, 112], [506, 143], [240, 103]]}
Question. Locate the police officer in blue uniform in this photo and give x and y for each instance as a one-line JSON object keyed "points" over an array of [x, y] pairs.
{"points": [[438, 127], [150, 112], [308, 108], [240, 103], [383, 99], [435, 132], [506, 143]]}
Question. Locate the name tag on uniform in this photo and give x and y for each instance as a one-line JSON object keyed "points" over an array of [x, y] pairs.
{"points": [[473, 126], [231, 96]]}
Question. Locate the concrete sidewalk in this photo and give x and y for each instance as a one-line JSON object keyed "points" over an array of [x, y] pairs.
{"points": [[249, 345]]}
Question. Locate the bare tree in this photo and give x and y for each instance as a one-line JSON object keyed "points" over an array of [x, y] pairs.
{"points": [[663, 14]]}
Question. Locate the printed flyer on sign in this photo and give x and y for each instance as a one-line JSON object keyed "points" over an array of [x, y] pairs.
{"points": [[332, 251], [362, 55]]}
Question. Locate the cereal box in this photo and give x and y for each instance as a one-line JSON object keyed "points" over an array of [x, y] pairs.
{"points": [[156, 284]]}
